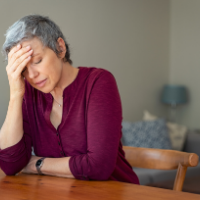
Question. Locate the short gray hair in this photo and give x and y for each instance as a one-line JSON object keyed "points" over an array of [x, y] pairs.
{"points": [[32, 26]]}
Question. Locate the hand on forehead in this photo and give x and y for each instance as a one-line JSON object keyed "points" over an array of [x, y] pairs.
{"points": [[35, 45]]}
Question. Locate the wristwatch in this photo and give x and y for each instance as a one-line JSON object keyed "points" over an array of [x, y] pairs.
{"points": [[39, 164]]}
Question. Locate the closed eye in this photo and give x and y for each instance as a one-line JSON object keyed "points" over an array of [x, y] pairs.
{"points": [[38, 62], [24, 70]]}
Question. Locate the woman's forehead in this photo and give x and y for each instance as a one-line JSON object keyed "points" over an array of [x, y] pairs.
{"points": [[35, 44]]}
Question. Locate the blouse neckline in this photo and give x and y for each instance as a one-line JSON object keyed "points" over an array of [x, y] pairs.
{"points": [[67, 90]]}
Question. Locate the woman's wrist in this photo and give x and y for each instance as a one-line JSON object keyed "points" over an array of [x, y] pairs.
{"points": [[51, 166], [39, 164], [18, 98]]}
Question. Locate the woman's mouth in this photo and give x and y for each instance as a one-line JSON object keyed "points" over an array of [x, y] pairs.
{"points": [[41, 83]]}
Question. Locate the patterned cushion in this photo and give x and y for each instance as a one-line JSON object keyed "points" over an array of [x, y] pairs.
{"points": [[177, 132], [149, 134]]}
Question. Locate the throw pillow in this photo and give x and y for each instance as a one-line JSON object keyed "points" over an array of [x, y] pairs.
{"points": [[148, 134], [148, 116], [177, 133]]}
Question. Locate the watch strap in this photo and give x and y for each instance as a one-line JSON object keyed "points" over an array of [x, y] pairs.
{"points": [[39, 167]]}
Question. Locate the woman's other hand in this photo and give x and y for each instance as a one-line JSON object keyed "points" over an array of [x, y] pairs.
{"points": [[18, 58]]}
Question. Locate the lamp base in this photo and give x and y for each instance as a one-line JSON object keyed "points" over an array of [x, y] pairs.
{"points": [[172, 113]]}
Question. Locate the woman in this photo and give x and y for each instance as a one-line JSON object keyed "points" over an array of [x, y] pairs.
{"points": [[70, 116]]}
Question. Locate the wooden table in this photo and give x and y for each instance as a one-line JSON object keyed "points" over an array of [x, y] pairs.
{"points": [[37, 187]]}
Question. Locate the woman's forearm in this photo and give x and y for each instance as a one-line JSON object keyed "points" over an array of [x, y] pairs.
{"points": [[12, 129], [51, 166], [57, 167]]}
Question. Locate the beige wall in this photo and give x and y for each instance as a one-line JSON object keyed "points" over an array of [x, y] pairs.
{"points": [[128, 37], [185, 56]]}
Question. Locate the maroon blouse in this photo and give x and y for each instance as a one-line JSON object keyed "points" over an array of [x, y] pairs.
{"points": [[89, 133]]}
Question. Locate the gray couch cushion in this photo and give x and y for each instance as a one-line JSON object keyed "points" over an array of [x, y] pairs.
{"points": [[144, 175], [154, 175], [192, 143], [193, 171]]}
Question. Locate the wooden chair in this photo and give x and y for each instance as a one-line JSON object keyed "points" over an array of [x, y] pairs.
{"points": [[162, 159]]}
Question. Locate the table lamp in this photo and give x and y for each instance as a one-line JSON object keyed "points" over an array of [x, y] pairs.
{"points": [[174, 95]]}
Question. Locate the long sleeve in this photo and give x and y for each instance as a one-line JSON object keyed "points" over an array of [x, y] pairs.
{"points": [[13, 159], [103, 124]]}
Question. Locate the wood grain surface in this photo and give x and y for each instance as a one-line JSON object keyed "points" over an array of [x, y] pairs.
{"points": [[36, 187], [159, 158]]}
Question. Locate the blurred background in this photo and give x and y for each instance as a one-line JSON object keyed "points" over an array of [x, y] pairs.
{"points": [[152, 48], [144, 43]]}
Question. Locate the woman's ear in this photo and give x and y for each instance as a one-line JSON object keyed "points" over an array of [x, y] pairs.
{"points": [[61, 47]]}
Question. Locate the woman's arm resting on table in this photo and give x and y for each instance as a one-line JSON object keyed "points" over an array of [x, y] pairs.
{"points": [[51, 166]]}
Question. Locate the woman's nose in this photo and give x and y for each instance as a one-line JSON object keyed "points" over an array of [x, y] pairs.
{"points": [[32, 73]]}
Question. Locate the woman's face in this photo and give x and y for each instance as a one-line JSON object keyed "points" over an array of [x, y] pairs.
{"points": [[44, 70]]}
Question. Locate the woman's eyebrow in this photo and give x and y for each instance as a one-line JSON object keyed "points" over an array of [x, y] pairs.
{"points": [[35, 54]]}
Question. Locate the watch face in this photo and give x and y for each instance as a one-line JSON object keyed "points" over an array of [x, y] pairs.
{"points": [[38, 163]]}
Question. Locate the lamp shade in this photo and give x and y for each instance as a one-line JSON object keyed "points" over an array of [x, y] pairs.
{"points": [[174, 94]]}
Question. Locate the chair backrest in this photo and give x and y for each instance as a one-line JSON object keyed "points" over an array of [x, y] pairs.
{"points": [[162, 159]]}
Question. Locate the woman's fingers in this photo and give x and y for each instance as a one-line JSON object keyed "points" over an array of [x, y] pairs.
{"points": [[20, 60], [20, 67], [10, 54], [13, 50], [17, 60], [16, 55]]}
